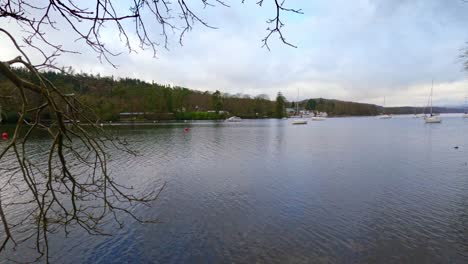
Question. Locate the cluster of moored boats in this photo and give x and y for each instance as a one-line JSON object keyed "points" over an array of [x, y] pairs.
{"points": [[296, 121], [428, 118], [304, 117], [432, 118], [302, 120]]}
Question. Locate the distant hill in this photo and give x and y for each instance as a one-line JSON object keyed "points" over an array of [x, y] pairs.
{"points": [[111, 98], [339, 108], [418, 110], [343, 108]]}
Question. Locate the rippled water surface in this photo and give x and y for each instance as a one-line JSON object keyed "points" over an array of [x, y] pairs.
{"points": [[347, 190]]}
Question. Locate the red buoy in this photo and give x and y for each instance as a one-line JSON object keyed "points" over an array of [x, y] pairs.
{"points": [[186, 129], [4, 135]]}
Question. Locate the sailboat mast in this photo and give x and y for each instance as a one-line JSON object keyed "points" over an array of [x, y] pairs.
{"points": [[466, 104], [384, 105], [297, 102], [432, 88]]}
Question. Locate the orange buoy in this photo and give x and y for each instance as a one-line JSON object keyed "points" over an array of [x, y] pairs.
{"points": [[4, 135]]}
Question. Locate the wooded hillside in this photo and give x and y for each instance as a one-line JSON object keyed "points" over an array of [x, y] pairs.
{"points": [[109, 96]]}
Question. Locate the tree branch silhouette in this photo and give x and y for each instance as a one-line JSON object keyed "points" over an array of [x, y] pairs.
{"points": [[51, 191]]}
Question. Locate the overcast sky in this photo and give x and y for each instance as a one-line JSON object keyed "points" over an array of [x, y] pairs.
{"points": [[350, 50]]}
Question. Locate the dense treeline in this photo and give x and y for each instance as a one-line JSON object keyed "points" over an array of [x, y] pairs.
{"points": [[109, 96], [421, 110], [340, 108]]}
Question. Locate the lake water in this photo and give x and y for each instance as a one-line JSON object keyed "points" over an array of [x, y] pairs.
{"points": [[346, 190]]}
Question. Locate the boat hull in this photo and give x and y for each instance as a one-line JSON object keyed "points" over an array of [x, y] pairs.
{"points": [[299, 122], [318, 118], [384, 117], [432, 119], [234, 119]]}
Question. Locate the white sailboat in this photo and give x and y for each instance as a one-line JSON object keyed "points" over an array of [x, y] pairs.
{"points": [[465, 114], [319, 117], [234, 119], [384, 116], [432, 118], [415, 113], [298, 121]]}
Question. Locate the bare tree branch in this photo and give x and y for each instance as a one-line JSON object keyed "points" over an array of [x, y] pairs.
{"points": [[54, 194]]}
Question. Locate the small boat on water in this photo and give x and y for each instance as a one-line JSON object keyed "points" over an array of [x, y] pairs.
{"points": [[318, 118], [432, 118], [384, 115], [299, 122], [298, 118], [416, 115], [234, 119]]}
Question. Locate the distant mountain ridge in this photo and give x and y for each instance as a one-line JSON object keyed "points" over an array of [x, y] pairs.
{"points": [[418, 110], [347, 108], [339, 108]]}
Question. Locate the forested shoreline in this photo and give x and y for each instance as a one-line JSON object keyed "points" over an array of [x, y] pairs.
{"points": [[111, 97]]}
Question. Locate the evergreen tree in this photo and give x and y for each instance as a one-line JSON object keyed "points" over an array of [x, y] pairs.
{"points": [[311, 104], [280, 103], [217, 101]]}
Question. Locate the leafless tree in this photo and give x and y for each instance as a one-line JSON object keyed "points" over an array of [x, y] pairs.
{"points": [[53, 194]]}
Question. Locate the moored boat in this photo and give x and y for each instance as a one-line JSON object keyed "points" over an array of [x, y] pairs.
{"points": [[299, 122], [234, 119], [432, 118], [318, 118], [384, 116]]}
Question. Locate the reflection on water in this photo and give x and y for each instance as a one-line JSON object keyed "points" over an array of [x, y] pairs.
{"points": [[344, 190]]}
